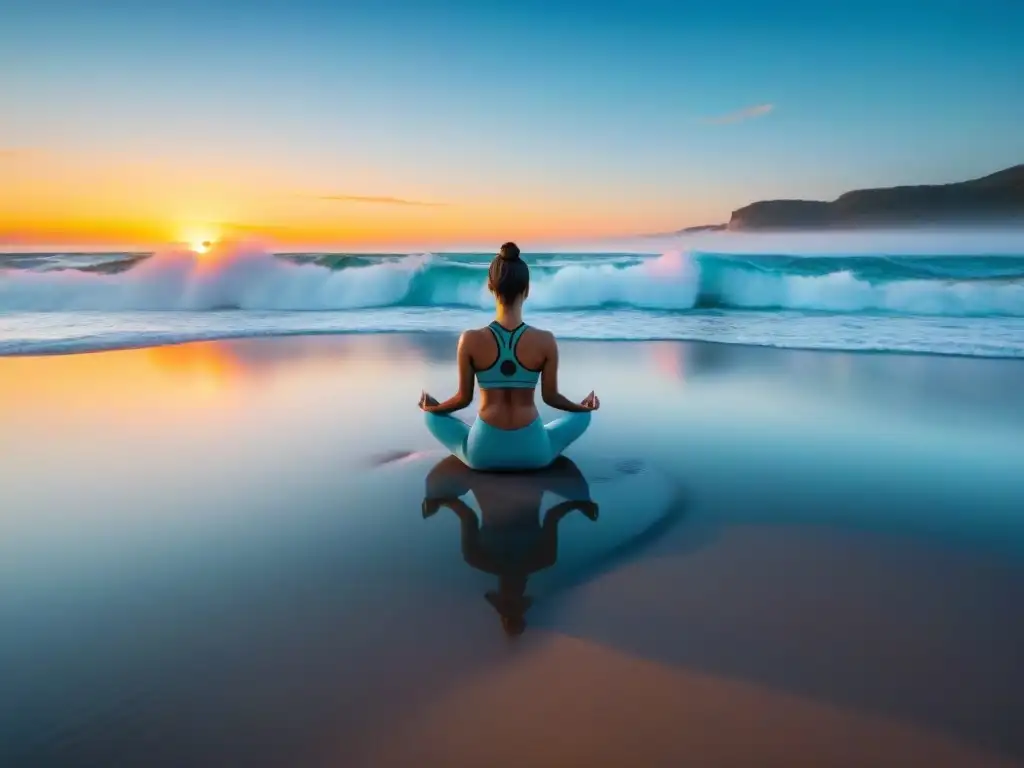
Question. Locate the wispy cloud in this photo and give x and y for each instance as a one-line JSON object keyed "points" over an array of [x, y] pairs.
{"points": [[379, 200], [748, 113]]}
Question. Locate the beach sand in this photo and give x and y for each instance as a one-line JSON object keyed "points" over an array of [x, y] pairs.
{"points": [[220, 554]]}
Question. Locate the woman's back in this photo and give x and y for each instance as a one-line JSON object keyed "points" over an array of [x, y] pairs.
{"points": [[508, 407]]}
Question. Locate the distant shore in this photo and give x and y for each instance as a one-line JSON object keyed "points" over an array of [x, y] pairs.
{"points": [[993, 200]]}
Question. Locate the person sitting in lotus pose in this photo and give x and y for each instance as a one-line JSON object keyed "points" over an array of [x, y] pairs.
{"points": [[507, 358]]}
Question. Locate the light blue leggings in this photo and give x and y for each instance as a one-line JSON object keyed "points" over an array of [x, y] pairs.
{"points": [[488, 448]]}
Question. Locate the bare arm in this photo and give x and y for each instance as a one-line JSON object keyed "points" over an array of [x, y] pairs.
{"points": [[464, 396], [549, 385]]}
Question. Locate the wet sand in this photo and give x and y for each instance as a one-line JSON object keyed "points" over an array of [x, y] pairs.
{"points": [[251, 553]]}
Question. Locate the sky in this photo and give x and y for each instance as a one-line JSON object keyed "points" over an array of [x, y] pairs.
{"points": [[387, 123]]}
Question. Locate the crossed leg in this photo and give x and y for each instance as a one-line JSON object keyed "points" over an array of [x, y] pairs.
{"points": [[450, 432], [565, 430], [453, 433]]}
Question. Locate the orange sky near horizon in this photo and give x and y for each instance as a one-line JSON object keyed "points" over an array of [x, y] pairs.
{"points": [[51, 198]]}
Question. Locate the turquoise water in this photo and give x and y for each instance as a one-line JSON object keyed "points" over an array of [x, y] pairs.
{"points": [[941, 304]]}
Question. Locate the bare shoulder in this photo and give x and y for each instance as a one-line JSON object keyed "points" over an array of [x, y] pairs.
{"points": [[545, 337], [544, 340], [472, 338]]}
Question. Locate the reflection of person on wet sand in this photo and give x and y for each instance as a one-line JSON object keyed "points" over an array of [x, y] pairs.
{"points": [[509, 539]]}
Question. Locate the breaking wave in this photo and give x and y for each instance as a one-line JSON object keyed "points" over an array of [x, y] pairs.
{"points": [[247, 278]]}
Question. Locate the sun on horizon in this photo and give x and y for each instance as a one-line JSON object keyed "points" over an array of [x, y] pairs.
{"points": [[201, 243]]}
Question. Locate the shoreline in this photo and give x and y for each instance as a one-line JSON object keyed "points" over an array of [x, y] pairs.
{"points": [[125, 347]]}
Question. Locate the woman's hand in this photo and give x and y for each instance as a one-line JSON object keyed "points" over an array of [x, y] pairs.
{"points": [[426, 401], [591, 402]]}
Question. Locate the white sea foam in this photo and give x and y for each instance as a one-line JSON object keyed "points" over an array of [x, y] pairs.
{"points": [[970, 305], [248, 278]]}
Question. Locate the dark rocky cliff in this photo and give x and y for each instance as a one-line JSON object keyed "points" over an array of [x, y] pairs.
{"points": [[998, 198]]}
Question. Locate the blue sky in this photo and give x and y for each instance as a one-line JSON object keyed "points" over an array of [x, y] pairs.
{"points": [[660, 113]]}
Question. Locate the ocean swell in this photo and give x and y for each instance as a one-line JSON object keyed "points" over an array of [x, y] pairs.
{"points": [[246, 278]]}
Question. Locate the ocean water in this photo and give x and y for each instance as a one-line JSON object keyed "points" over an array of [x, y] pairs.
{"points": [[910, 301]]}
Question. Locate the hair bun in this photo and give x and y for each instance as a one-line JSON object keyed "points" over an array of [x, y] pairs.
{"points": [[509, 252]]}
